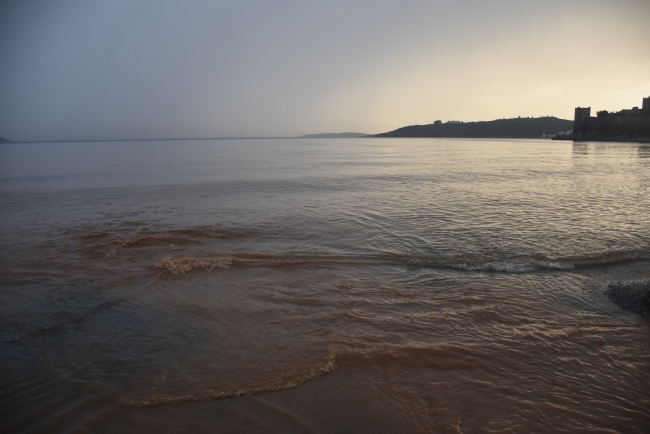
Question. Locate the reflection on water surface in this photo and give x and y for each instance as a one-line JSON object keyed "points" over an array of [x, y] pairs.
{"points": [[357, 285]]}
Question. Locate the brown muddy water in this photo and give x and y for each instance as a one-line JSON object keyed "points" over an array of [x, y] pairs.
{"points": [[325, 286]]}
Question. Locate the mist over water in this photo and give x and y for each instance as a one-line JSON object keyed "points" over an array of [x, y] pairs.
{"points": [[310, 285]]}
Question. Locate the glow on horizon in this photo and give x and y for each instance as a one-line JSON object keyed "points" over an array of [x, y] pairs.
{"points": [[158, 69]]}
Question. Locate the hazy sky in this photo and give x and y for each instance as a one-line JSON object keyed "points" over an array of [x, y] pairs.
{"points": [[116, 69]]}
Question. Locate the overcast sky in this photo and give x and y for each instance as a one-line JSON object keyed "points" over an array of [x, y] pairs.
{"points": [[128, 69]]}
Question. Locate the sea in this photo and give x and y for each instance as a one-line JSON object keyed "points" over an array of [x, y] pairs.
{"points": [[369, 285]]}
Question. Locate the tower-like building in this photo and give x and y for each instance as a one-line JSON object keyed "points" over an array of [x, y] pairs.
{"points": [[581, 119]]}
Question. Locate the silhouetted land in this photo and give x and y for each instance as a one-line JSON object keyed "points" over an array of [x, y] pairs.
{"points": [[501, 128], [4, 140], [334, 136], [628, 125]]}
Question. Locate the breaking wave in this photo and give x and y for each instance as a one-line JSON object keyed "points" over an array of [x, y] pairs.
{"points": [[185, 265], [528, 264], [284, 382], [515, 266]]}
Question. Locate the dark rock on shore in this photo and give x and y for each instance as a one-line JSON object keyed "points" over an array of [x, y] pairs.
{"points": [[633, 297]]}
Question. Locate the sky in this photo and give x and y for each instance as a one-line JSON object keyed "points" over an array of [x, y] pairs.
{"points": [[149, 69]]}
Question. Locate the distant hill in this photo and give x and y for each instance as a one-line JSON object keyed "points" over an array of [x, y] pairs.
{"points": [[519, 128], [334, 136], [4, 140]]}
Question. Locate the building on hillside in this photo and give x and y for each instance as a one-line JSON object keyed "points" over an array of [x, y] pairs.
{"points": [[625, 125]]}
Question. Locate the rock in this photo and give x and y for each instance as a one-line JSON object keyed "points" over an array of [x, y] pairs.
{"points": [[633, 297]]}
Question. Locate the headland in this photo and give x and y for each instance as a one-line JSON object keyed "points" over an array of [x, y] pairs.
{"points": [[515, 128]]}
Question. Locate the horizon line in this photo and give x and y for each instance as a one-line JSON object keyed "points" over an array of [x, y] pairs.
{"points": [[251, 138], [157, 140]]}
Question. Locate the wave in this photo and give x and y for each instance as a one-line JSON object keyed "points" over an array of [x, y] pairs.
{"points": [[14, 335], [505, 266], [442, 357], [94, 236], [106, 244], [150, 240], [102, 245], [185, 265], [203, 233], [283, 382], [515, 266], [525, 264], [508, 265], [177, 236]]}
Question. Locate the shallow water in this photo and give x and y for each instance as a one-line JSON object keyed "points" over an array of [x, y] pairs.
{"points": [[323, 285]]}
